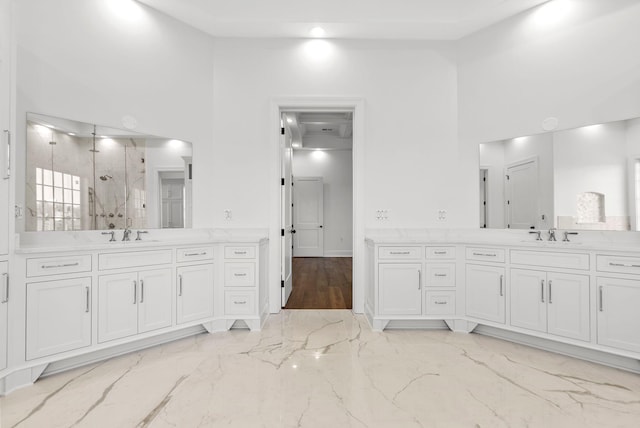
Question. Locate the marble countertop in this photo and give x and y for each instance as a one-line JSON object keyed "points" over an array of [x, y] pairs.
{"points": [[54, 242], [584, 241]]}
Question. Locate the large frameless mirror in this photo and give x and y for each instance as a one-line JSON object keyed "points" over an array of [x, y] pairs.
{"points": [[82, 176], [584, 178]]}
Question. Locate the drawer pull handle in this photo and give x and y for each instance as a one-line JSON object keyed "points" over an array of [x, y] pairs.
{"points": [[135, 292], [419, 279], [63, 265], [601, 307], [550, 301], [141, 291], [203, 253], [501, 281], [440, 275], [485, 254], [240, 253], [86, 308], [399, 253], [239, 302], [5, 285], [542, 290], [239, 274], [440, 303], [623, 265], [440, 253], [180, 285]]}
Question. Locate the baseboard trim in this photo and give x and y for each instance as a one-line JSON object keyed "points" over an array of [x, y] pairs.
{"points": [[103, 354], [338, 253], [591, 355]]}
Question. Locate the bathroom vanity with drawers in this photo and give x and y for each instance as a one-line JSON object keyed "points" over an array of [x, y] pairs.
{"points": [[73, 304], [577, 298]]}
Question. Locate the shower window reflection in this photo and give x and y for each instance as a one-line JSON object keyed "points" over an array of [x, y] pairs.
{"points": [[57, 200]]}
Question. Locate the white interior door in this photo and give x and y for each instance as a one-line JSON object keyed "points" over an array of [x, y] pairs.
{"points": [[308, 197], [286, 155], [172, 202], [483, 198], [521, 185]]}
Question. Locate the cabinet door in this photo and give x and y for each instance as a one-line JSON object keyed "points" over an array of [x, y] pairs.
{"points": [[568, 305], [618, 313], [154, 308], [58, 316], [528, 299], [400, 288], [117, 306], [4, 302], [195, 293], [485, 292]]}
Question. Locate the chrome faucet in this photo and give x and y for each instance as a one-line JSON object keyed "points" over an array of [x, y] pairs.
{"points": [[112, 233], [537, 232], [139, 232], [552, 234], [125, 234], [566, 235]]}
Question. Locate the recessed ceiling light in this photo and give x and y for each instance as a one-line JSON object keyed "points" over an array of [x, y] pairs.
{"points": [[289, 120], [72, 133], [318, 32]]}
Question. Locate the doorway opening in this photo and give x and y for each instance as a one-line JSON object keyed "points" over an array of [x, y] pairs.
{"points": [[316, 209], [172, 199]]}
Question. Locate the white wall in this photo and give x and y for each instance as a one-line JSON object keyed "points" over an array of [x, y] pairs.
{"points": [[91, 61], [335, 167], [410, 131], [578, 64]]}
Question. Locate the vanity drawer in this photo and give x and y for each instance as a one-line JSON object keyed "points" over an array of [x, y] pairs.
{"points": [[399, 253], [134, 259], [485, 254], [194, 254], [239, 302], [618, 264], [440, 303], [550, 259], [437, 253], [239, 274], [441, 275], [42, 266], [239, 252]]}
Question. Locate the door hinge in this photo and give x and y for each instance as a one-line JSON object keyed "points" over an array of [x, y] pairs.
{"points": [[508, 226], [281, 131], [281, 232], [282, 181], [282, 283], [507, 177], [508, 202]]}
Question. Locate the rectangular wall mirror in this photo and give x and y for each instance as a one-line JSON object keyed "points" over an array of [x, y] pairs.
{"points": [[584, 178], [82, 176]]}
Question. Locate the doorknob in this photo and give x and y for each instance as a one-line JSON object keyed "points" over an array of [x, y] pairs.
{"points": [[293, 231], [320, 226]]}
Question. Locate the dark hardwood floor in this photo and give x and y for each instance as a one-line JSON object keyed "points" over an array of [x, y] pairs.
{"points": [[321, 283]]}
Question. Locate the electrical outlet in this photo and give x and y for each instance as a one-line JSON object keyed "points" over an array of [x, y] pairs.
{"points": [[227, 215], [382, 214], [19, 211], [442, 215]]}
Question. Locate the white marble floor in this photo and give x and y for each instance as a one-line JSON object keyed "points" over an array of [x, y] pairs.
{"points": [[328, 369]]}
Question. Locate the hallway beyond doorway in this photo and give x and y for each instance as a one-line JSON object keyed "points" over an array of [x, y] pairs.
{"points": [[321, 283]]}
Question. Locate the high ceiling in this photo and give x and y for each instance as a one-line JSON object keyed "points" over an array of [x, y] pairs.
{"points": [[357, 19]]}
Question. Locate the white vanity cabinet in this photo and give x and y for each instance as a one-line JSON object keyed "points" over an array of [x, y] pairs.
{"points": [[58, 316], [240, 285], [4, 304], [400, 288], [132, 303], [194, 294], [550, 302], [618, 302], [485, 284]]}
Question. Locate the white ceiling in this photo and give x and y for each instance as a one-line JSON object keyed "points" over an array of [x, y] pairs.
{"points": [[357, 19]]}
